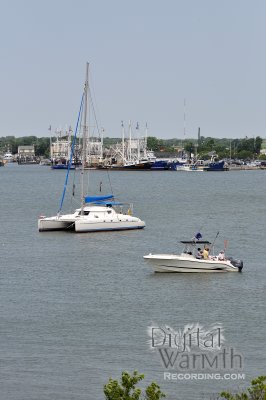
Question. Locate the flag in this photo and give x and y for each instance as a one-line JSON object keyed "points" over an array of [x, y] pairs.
{"points": [[50, 128], [198, 236], [137, 127]]}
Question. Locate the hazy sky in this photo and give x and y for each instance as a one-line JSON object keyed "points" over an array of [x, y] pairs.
{"points": [[146, 57]]}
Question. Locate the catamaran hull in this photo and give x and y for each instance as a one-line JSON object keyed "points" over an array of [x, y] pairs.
{"points": [[55, 225], [85, 226], [79, 225], [172, 263]]}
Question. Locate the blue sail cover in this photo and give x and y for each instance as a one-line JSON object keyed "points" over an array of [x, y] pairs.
{"points": [[93, 199], [109, 203]]}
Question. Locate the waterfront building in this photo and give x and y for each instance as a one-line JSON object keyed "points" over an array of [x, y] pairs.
{"points": [[26, 154]]}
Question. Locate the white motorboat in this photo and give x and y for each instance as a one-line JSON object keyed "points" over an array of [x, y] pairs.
{"points": [[187, 261], [103, 213], [191, 167], [8, 157]]}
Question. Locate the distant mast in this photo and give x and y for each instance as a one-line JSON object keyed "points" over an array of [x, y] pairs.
{"points": [[146, 139], [102, 144], [123, 141], [138, 141], [184, 119], [50, 135], [184, 126], [130, 136]]}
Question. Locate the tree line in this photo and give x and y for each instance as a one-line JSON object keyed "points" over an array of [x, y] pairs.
{"points": [[248, 148]]}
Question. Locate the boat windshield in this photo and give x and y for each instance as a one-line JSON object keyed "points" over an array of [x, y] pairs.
{"points": [[191, 246]]}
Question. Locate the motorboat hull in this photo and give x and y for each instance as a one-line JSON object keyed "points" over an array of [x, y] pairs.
{"points": [[178, 263]]}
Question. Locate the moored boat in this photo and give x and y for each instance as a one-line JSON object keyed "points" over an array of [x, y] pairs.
{"points": [[63, 166], [216, 166], [8, 157], [197, 165], [101, 214]]}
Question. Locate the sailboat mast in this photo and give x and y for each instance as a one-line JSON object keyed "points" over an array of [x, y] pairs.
{"points": [[101, 155], [146, 139], [85, 130], [123, 141], [138, 141], [184, 119], [184, 133], [130, 135]]}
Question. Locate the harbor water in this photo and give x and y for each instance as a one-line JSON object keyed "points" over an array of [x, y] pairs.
{"points": [[75, 308]]}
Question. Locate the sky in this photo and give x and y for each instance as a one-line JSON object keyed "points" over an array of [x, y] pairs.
{"points": [[147, 58]]}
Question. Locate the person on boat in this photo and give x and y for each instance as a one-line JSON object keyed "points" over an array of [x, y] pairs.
{"points": [[221, 256], [199, 254], [206, 253]]}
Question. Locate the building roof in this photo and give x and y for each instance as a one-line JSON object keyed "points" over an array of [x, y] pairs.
{"points": [[26, 147]]}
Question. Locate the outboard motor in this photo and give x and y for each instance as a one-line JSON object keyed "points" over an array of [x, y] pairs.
{"points": [[236, 263]]}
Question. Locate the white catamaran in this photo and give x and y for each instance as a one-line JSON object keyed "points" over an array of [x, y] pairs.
{"points": [[97, 213]]}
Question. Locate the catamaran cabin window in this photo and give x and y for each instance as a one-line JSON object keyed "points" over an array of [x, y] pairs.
{"points": [[84, 212]]}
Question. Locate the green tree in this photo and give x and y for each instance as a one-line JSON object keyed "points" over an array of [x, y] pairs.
{"points": [[257, 391], [257, 145], [153, 143], [42, 147], [252, 145], [126, 389], [245, 154], [208, 144], [220, 149]]}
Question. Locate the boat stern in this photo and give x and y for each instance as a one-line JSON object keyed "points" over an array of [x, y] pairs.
{"points": [[236, 263]]}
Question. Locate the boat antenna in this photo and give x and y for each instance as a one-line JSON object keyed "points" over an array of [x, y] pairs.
{"points": [[85, 131], [212, 245], [225, 244]]}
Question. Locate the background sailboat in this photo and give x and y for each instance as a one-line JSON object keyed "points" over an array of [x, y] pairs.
{"points": [[101, 214]]}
